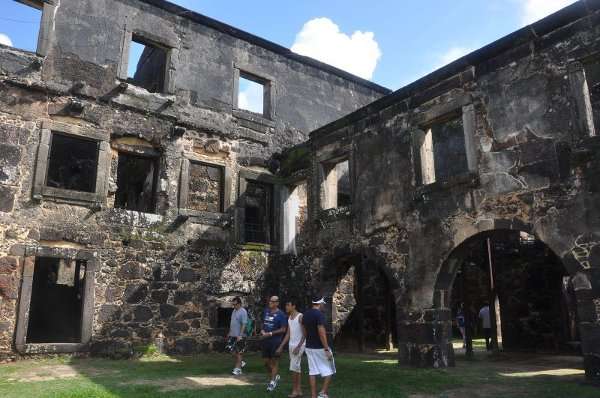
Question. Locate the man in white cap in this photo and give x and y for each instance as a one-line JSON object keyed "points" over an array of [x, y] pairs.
{"points": [[320, 357]]}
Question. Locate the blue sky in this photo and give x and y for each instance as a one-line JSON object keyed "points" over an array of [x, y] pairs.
{"points": [[392, 42]]}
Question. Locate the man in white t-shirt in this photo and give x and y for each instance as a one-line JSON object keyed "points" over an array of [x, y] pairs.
{"points": [[484, 315], [294, 337]]}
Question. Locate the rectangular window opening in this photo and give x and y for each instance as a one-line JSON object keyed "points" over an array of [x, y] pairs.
{"points": [[443, 151], [21, 24], [224, 317], [205, 191], [251, 94], [337, 189], [72, 163], [592, 76], [56, 306], [147, 66], [136, 183], [258, 224]]}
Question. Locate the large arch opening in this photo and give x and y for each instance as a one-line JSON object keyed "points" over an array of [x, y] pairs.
{"points": [[362, 303], [527, 290]]}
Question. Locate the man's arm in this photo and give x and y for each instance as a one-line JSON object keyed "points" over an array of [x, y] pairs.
{"points": [[323, 338], [285, 340]]}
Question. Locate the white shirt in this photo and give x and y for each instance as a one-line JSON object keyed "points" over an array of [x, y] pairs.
{"points": [[296, 333], [484, 315]]}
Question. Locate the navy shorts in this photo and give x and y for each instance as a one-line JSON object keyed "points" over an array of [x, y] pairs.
{"points": [[269, 347]]}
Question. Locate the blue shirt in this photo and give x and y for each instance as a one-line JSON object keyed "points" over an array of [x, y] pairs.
{"points": [[274, 321], [311, 320]]}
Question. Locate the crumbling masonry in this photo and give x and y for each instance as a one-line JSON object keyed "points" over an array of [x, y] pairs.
{"points": [[146, 201]]}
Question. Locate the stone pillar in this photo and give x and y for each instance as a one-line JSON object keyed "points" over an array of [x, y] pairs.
{"points": [[587, 290]]}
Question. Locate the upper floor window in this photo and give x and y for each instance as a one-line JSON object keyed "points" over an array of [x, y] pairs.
{"points": [[21, 23], [336, 190], [136, 181], [71, 163], [592, 76], [147, 65], [442, 150], [253, 94]]}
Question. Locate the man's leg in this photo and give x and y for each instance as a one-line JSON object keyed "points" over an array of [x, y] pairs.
{"points": [[326, 383], [313, 386], [238, 360], [298, 383], [274, 367], [268, 365]]}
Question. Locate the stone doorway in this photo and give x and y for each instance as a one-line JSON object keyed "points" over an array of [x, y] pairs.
{"points": [[528, 290], [55, 311]]}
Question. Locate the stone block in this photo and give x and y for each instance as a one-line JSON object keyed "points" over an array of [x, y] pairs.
{"points": [[135, 293], [168, 311], [187, 275], [113, 293], [109, 313], [112, 349], [7, 199], [131, 270], [8, 265], [142, 313], [10, 157], [8, 287], [160, 296], [183, 296], [175, 327]]}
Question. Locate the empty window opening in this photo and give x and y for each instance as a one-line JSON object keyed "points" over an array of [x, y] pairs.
{"points": [[136, 183], [442, 151], [56, 306], [205, 187], [258, 212], [251, 94], [147, 65], [21, 24], [592, 75], [337, 190], [72, 163], [224, 317]]}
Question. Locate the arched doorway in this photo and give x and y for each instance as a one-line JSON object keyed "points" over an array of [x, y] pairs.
{"points": [[526, 287], [362, 305]]}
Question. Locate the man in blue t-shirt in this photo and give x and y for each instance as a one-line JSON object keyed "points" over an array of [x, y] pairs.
{"points": [[318, 353], [274, 326]]}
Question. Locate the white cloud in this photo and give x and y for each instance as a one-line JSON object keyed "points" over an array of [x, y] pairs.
{"points": [[250, 96], [4, 39], [321, 38], [452, 54], [534, 10]]}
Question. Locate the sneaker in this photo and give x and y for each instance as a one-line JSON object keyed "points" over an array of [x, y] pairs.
{"points": [[323, 395], [273, 384], [236, 372], [243, 364]]}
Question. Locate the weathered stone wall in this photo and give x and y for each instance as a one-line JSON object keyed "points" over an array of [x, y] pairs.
{"points": [[158, 276], [532, 166]]}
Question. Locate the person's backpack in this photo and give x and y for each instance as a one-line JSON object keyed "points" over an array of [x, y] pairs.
{"points": [[249, 328]]}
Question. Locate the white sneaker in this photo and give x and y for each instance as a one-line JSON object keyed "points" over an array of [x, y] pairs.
{"points": [[273, 384], [243, 364], [323, 395], [236, 372]]}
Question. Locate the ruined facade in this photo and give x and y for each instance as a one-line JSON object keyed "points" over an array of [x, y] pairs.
{"points": [[151, 199]]}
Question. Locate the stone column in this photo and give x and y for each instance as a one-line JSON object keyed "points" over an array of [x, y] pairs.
{"points": [[587, 290]]}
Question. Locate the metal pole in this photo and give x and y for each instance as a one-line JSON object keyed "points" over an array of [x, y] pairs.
{"points": [[493, 298]]}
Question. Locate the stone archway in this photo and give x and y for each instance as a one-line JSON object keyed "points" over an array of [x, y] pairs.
{"points": [[359, 285]]}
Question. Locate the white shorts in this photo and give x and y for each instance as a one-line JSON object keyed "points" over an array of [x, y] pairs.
{"points": [[296, 360], [318, 363]]}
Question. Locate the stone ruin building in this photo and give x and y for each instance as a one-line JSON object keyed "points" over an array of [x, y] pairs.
{"points": [[135, 205]]}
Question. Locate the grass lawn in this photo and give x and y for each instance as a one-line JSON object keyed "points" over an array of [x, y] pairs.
{"points": [[376, 375]]}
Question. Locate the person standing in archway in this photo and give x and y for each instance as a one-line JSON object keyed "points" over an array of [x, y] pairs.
{"points": [[274, 326], [484, 315], [460, 322], [320, 357]]}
